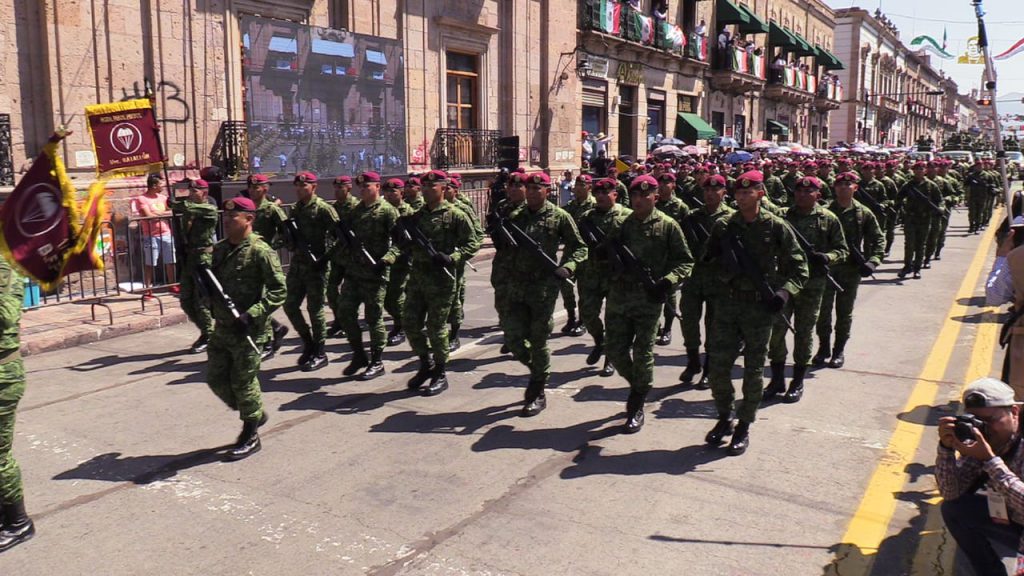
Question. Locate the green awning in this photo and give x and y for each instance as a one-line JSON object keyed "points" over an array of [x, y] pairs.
{"points": [[691, 127], [777, 128], [779, 37], [756, 25], [727, 12], [805, 48], [828, 60]]}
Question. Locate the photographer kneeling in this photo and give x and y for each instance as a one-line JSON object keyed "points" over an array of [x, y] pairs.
{"points": [[982, 490]]}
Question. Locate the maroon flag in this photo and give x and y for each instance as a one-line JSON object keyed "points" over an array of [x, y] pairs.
{"points": [[39, 222], [125, 137]]}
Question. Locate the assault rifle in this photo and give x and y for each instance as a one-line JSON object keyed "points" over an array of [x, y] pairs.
{"points": [[591, 234], [859, 259], [298, 242], [938, 211], [738, 260], [809, 248], [523, 240], [347, 235], [873, 204], [498, 229], [410, 230], [211, 288], [624, 259]]}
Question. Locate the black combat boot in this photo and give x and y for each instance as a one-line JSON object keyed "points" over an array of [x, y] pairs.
{"points": [[534, 397], [740, 439], [578, 329], [317, 360], [570, 323], [635, 412], [423, 374], [838, 359], [248, 441], [376, 367], [268, 351], [453, 338], [199, 346], [307, 352], [279, 331], [396, 336], [722, 429], [597, 352], [665, 334], [438, 381], [692, 365], [358, 361], [504, 348], [927, 263], [823, 353], [607, 370], [796, 385], [777, 385], [17, 526], [937, 256], [334, 330], [917, 273], [705, 381], [903, 272]]}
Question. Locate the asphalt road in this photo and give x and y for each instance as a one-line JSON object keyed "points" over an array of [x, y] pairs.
{"points": [[117, 444]]}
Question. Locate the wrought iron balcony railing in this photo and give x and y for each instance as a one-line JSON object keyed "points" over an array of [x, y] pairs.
{"points": [[6, 152], [461, 149]]}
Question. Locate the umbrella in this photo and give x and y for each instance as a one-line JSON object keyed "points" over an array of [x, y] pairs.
{"points": [[839, 150], [724, 142], [858, 150], [760, 145], [666, 149], [668, 140], [804, 152], [738, 157], [778, 151], [691, 149]]}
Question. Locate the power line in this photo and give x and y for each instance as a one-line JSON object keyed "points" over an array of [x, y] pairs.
{"points": [[952, 21]]}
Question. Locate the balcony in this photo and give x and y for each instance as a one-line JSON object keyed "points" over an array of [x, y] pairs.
{"points": [[791, 85], [738, 72], [6, 157], [829, 97], [230, 150], [460, 149], [631, 30]]}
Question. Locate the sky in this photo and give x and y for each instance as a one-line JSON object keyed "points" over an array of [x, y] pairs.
{"points": [[1004, 22]]}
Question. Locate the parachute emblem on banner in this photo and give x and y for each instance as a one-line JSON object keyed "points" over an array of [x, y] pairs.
{"points": [[125, 138], [38, 210]]}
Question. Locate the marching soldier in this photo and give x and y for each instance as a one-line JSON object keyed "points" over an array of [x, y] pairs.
{"points": [[268, 223], [775, 269], [370, 253], [581, 202], [504, 251], [431, 289], [461, 202], [412, 193], [594, 273], [820, 234], [670, 205], [698, 293], [921, 200], [888, 176], [952, 194], [639, 289], [774, 188], [394, 297], [198, 223], [314, 222], [535, 285], [344, 202], [15, 525], [251, 277], [866, 244]]}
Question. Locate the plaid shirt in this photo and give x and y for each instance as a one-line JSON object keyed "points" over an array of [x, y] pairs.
{"points": [[957, 477]]}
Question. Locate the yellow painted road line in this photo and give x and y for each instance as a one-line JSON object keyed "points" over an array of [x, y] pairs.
{"points": [[870, 523]]}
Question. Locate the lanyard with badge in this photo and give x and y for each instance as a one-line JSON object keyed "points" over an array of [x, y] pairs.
{"points": [[997, 509]]}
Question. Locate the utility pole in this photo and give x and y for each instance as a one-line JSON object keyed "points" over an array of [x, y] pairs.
{"points": [[990, 85]]}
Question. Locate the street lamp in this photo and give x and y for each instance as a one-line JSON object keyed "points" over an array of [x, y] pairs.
{"points": [[867, 97]]}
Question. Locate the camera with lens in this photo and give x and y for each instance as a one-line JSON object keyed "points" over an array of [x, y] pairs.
{"points": [[964, 427]]}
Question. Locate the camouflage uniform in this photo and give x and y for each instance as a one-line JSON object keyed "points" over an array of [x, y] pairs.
{"points": [[594, 274], [338, 259], [676, 210], [917, 220], [740, 315], [576, 209], [824, 231], [430, 292], [775, 190], [533, 289], [937, 237], [394, 296], [977, 193], [12, 379], [892, 190], [862, 233], [658, 243], [317, 222], [373, 226], [457, 313], [699, 289], [251, 275], [876, 189], [198, 223], [268, 223], [501, 266]]}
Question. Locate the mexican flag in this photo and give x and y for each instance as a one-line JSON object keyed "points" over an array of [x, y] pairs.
{"points": [[672, 37], [646, 28], [610, 12]]}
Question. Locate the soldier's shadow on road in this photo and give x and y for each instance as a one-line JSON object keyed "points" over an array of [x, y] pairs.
{"points": [[112, 467], [455, 423], [192, 366], [113, 360], [591, 462], [981, 318], [354, 403], [562, 439]]}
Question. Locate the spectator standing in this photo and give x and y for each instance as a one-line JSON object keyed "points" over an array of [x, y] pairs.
{"points": [[157, 241], [1005, 284]]}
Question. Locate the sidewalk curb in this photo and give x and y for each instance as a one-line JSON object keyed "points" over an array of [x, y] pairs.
{"points": [[89, 332]]}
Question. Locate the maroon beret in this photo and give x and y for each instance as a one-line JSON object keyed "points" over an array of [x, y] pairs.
{"points": [[848, 177], [715, 181], [394, 183], [240, 204], [342, 179], [606, 184], [305, 177], [434, 176], [538, 179], [412, 181], [643, 183], [751, 179], [584, 178], [257, 179], [200, 184], [367, 178], [809, 182]]}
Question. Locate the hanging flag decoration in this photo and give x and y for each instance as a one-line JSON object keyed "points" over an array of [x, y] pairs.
{"points": [[1013, 51], [40, 223], [125, 137], [973, 54], [928, 43], [610, 12]]}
